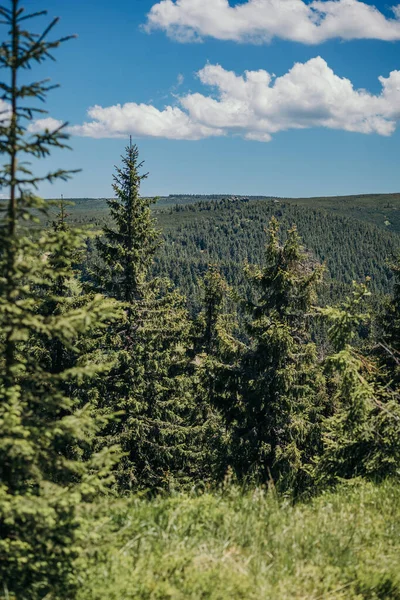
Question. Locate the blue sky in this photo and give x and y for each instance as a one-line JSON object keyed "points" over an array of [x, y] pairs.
{"points": [[349, 140]]}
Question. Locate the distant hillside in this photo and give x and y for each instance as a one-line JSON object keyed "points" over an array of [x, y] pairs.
{"points": [[95, 210], [184, 199], [355, 236], [230, 233], [382, 210]]}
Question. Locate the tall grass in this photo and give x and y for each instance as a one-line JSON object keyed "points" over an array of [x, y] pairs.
{"points": [[235, 545]]}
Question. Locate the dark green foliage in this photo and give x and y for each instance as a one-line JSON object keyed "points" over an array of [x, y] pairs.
{"points": [[341, 232], [216, 362], [361, 438], [64, 292], [380, 209], [388, 330], [215, 290], [127, 250], [276, 419], [230, 233], [150, 384]]}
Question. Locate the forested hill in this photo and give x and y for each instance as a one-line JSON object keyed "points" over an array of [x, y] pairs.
{"points": [[382, 210], [349, 234], [232, 232]]}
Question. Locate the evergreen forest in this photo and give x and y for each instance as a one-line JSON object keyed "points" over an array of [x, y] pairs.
{"points": [[199, 396]]}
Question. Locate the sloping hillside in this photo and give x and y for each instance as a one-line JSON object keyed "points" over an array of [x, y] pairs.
{"points": [[230, 233], [355, 236]]}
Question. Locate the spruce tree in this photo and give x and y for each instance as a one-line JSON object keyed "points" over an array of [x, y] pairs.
{"points": [[215, 290], [388, 330], [216, 367], [361, 437], [60, 297], [276, 418], [127, 249], [149, 385], [42, 435]]}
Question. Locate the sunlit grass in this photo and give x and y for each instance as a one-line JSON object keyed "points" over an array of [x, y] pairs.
{"points": [[251, 546]]}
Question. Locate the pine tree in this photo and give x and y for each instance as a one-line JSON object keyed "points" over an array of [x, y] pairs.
{"points": [[388, 326], [215, 290], [42, 434], [361, 437], [128, 249], [276, 418], [60, 297], [217, 353], [149, 385]]}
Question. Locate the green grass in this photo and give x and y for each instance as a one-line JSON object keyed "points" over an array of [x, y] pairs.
{"points": [[341, 545]]}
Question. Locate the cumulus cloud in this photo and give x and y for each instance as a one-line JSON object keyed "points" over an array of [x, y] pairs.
{"points": [[260, 21], [34, 126], [142, 120], [256, 105], [5, 112], [41, 125]]}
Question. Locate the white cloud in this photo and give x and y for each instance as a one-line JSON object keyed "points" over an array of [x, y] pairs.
{"points": [[41, 125], [142, 120], [257, 105], [259, 21], [5, 112], [35, 125]]}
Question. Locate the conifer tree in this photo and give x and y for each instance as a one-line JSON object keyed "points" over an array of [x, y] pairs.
{"points": [[215, 290], [217, 353], [388, 322], [42, 474], [128, 249], [67, 294], [149, 385], [276, 418], [361, 437], [63, 260]]}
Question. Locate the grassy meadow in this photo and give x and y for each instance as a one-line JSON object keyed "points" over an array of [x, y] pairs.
{"points": [[236, 545]]}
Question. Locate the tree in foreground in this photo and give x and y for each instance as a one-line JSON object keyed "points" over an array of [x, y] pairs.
{"points": [[276, 419], [43, 435], [388, 336], [149, 385], [361, 437], [217, 353]]}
